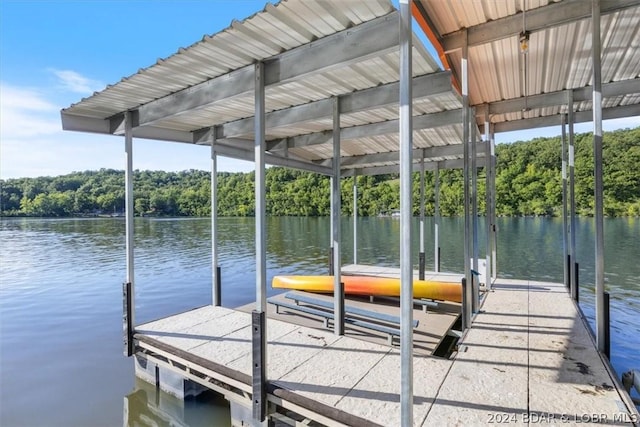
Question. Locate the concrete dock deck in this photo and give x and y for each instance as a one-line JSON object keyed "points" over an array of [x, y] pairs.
{"points": [[527, 358]]}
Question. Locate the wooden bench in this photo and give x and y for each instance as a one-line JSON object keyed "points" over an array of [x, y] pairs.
{"points": [[348, 309], [353, 315]]}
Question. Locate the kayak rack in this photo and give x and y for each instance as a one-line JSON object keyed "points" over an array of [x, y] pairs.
{"points": [[367, 319]]}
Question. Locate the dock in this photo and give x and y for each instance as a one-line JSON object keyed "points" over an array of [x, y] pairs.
{"points": [[527, 357], [352, 93]]}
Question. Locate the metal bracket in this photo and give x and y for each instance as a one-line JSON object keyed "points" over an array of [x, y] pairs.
{"points": [[126, 319], [259, 397], [331, 270], [218, 287]]}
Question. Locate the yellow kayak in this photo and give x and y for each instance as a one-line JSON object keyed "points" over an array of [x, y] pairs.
{"points": [[368, 285]]}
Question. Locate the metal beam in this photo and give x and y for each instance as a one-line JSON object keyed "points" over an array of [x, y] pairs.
{"points": [[572, 200], [215, 278], [129, 207], [406, 216], [376, 97], [558, 98], [260, 192], [428, 84], [428, 166], [579, 117], [338, 289], [358, 43], [392, 156], [467, 296], [474, 213], [491, 164], [259, 318], [272, 159], [487, 200], [538, 19], [425, 121], [84, 124], [601, 323]]}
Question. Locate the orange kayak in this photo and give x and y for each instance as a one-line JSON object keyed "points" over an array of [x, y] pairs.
{"points": [[368, 285]]}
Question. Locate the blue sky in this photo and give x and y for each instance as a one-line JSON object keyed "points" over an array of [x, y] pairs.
{"points": [[54, 53]]}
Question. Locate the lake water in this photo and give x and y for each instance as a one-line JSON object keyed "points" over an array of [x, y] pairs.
{"points": [[61, 296]]}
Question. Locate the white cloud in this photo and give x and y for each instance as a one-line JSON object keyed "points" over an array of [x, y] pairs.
{"points": [[25, 112], [24, 99], [32, 143], [76, 82]]}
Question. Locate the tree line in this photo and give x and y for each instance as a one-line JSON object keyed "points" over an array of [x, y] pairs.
{"points": [[528, 182]]}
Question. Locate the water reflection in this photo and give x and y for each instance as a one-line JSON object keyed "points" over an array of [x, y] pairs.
{"points": [[61, 296], [148, 406]]}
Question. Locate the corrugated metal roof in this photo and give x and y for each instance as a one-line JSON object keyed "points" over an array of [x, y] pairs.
{"points": [[276, 29], [559, 55], [275, 32]]}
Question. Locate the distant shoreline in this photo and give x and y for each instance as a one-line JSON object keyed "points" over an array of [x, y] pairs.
{"points": [[528, 182]]}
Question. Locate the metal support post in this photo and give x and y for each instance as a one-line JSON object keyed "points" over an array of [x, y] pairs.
{"points": [[474, 210], [607, 326], [355, 216], [436, 219], [259, 342], [494, 228], [572, 203], [331, 221], [421, 255], [338, 294], [467, 296], [215, 269], [598, 189], [487, 199], [576, 280], [406, 267], [259, 377], [129, 283], [565, 236]]}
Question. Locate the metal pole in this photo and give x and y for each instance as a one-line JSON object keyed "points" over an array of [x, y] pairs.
{"points": [[355, 216], [487, 199], [259, 321], [436, 219], [597, 155], [129, 207], [572, 204], [331, 222], [468, 296], [338, 290], [128, 287], [406, 267], [494, 228], [422, 254], [215, 279], [607, 326], [565, 236], [260, 193], [474, 209]]}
